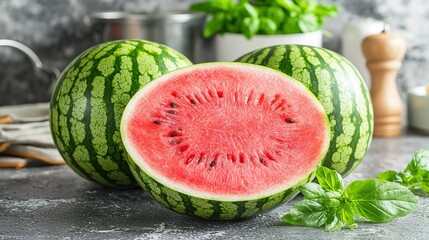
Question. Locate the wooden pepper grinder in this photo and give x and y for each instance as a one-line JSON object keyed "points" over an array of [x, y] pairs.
{"points": [[384, 53]]}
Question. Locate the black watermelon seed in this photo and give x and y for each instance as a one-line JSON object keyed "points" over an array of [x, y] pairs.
{"points": [[157, 122], [261, 160], [171, 112], [212, 164], [193, 101], [289, 120], [173, 105], [174, 133]]}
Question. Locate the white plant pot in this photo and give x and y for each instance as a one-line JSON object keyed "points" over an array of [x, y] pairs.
{"points": [[231, 46]]}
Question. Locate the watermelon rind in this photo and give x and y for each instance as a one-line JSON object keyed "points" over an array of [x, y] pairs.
{"points": [[341, 90], [89, 98], [211, 209], [178, 198]]}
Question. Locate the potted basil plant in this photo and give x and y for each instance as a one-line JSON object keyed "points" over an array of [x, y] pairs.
{"points": [[245, 25]]}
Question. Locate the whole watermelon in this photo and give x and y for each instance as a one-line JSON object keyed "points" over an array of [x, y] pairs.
{"points": [[89, 98], [341, 90]]}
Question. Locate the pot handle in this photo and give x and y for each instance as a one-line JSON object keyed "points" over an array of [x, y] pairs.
{"points": [[53, 73]]}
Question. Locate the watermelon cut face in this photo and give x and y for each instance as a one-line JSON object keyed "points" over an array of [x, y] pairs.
{"points": [[224, 140]]}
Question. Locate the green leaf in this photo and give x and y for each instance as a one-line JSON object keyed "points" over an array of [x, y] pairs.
{"points": [[416, 174], [380, 201], [251, 17], [308, 23], [276, 14], [307, 213], [289, 5], [324, 10], [333, 223], [268, 26], [312, 191], [212, 6], [290, 25], [249, 10], [330, 180], [346, 215], [332, 199], [306, 5], [214, 25], [390, 176], [250, 26], [419, 161]]}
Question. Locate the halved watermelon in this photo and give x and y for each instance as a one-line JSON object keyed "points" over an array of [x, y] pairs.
{"points": [[224, 140]]}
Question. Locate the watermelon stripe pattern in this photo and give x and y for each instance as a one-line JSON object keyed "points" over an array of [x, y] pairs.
{"points": [[89, 98], [340, 89], [206, 208]]}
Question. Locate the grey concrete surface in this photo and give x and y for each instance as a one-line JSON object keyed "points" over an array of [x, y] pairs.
{"points": [[55, 203]]}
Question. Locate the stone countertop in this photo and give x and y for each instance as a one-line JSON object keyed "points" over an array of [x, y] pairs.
{"points": [[54, 203]]}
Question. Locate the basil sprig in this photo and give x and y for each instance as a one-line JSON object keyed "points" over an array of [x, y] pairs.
{"points": [[251, 17], [416, 174], [329, 205]]}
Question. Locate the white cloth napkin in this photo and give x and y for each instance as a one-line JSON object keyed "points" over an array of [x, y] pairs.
{"points": [[25, 136]]}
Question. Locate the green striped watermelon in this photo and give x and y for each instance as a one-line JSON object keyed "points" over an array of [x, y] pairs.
{"points": [[89, 98], [338, 86], [224, 140]]}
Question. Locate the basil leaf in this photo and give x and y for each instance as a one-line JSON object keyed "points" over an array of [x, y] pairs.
{"points": [[308, 23], [424, 186], [324, 10], [276, 14], [390, 176], [420, 161], [380, 201], [268, 26], [340, 218], [333, 223], [288, 5], [307, 5], [330, 180], [249, 10], [312, 191], [416, 174], [332, 199], [345, 214], [214, 25], [250, 27], [212, 6], [290, 25], [307, 213]]}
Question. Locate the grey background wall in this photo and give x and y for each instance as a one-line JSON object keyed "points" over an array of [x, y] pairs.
{"points": [[55, 31]]}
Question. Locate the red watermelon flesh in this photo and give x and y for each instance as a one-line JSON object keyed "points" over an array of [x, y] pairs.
{"points": [[226, 131]]}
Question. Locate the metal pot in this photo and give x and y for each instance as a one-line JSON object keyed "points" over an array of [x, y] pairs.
{"points": [[182, 31]]}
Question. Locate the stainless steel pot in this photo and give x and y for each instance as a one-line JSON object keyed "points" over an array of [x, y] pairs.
{"points": [[182, 31]]}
